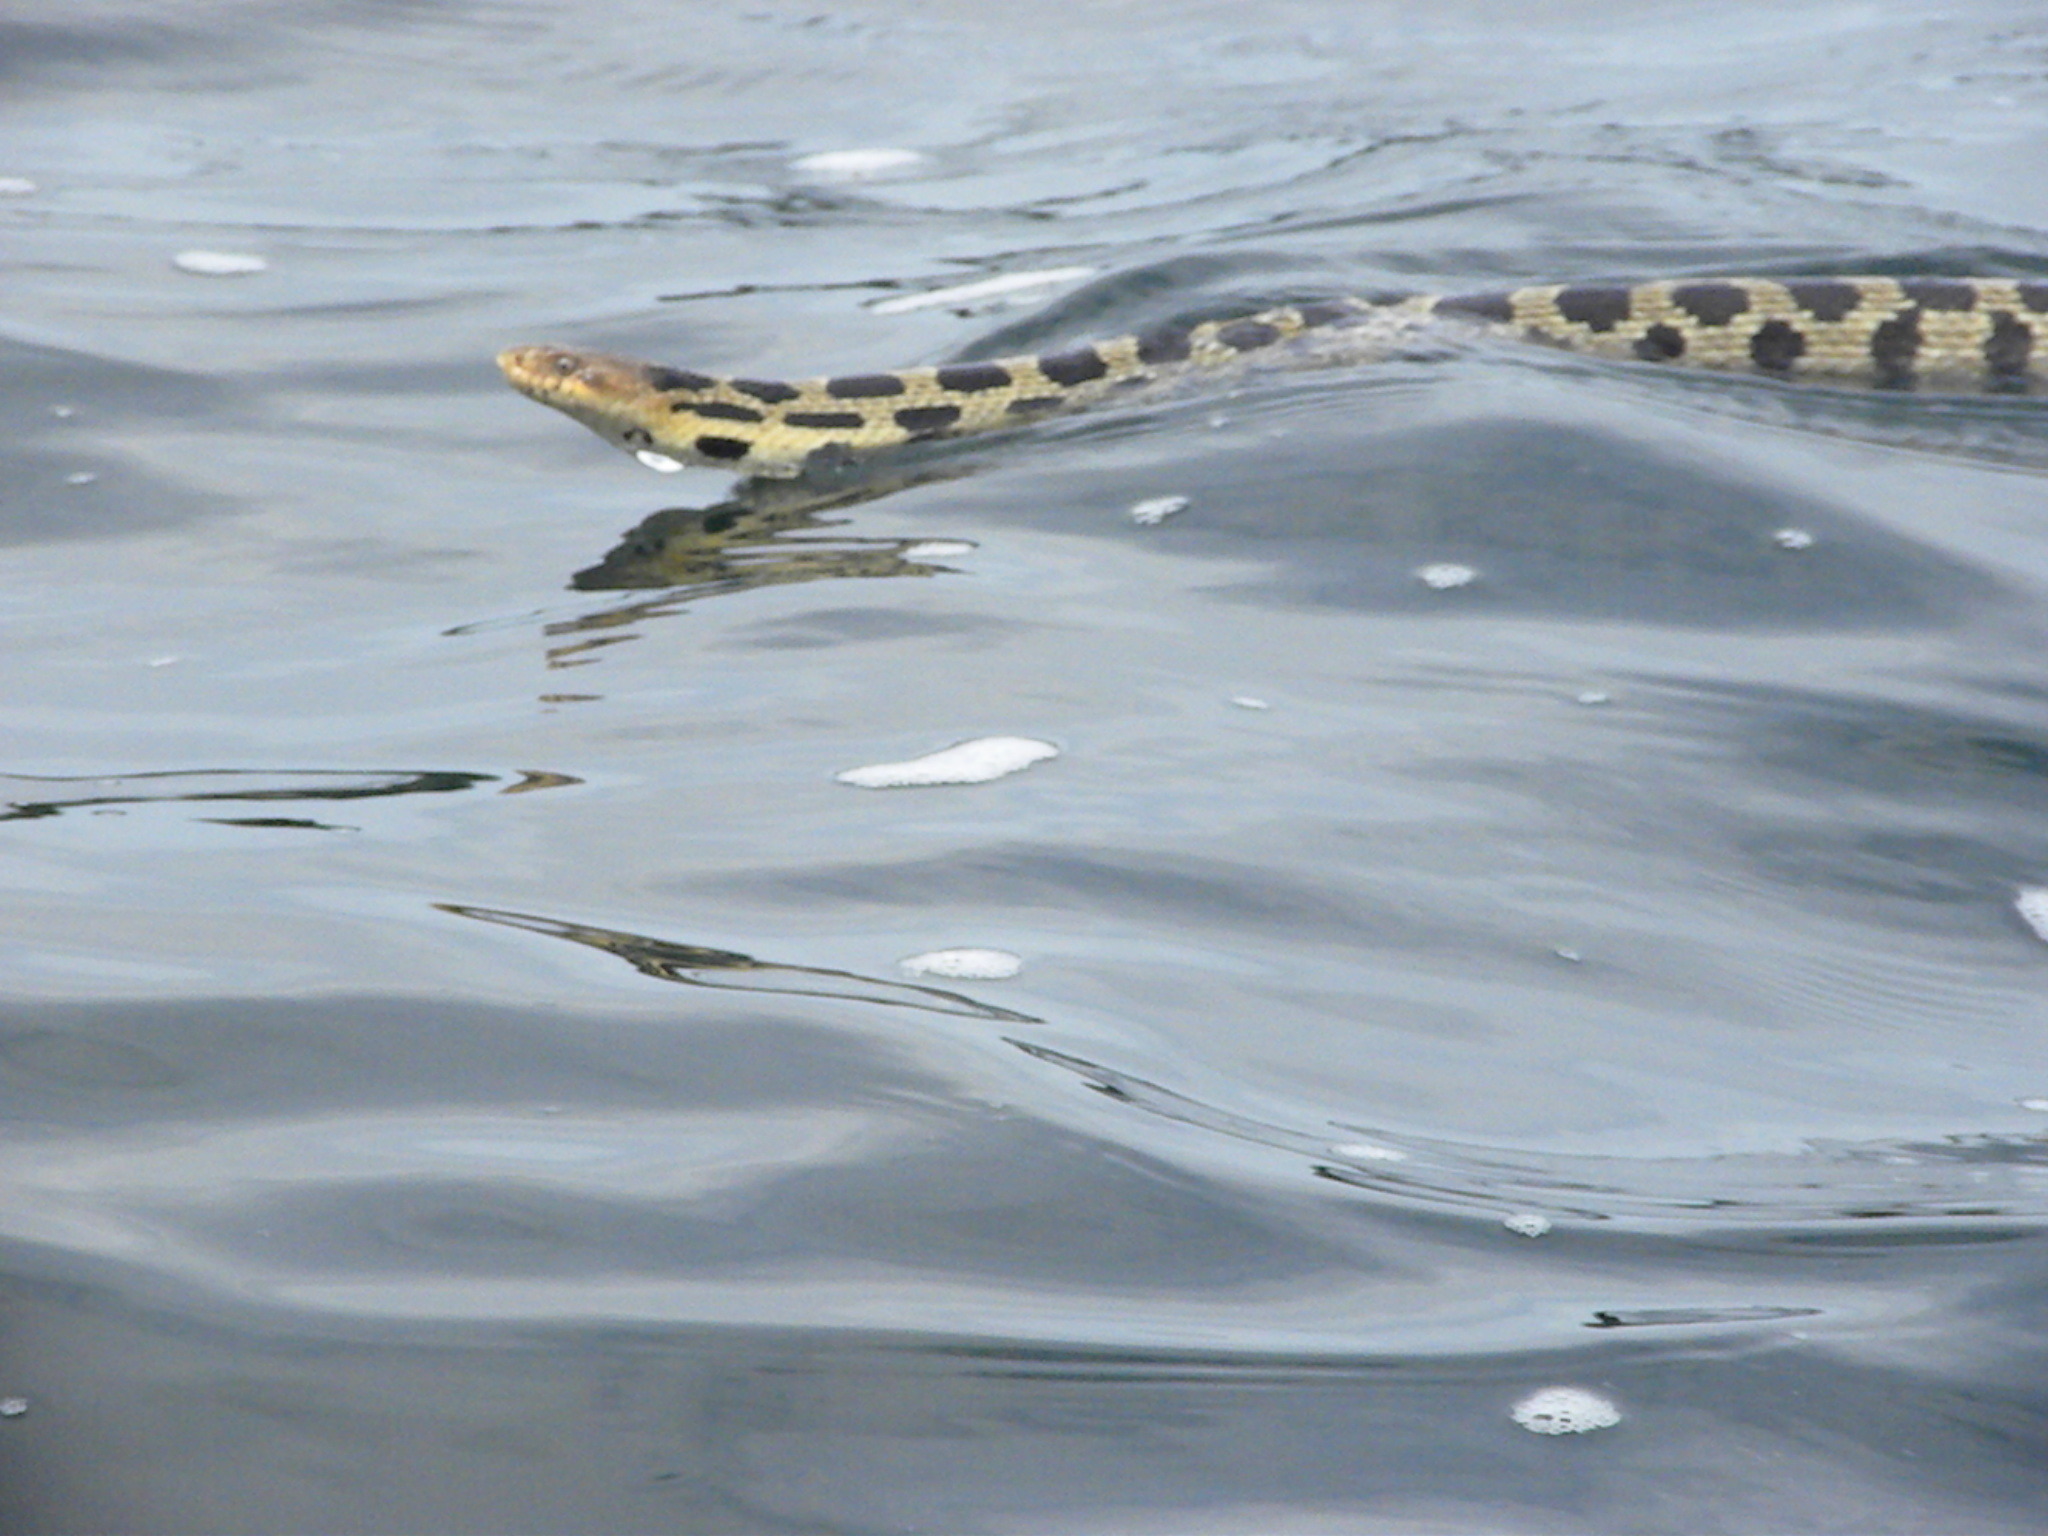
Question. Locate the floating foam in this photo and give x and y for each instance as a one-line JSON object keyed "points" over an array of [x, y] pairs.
{"points": [[219, 263], [984, 288], [17, 186], [1792, 538], [1157, 509], [661, 463], [966, 762], [80, 477], [939, 549], [1593, 696], [1526, 1224], [1369, 1152], [2032, 905], [1246, 701], [1565, 1411], [857, 164], [1446, 575], [964, 964]]}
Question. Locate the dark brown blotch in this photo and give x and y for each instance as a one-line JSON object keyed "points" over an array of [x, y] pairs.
{"points": [[676, 378], [1164, 344], [1597, 309], [826, 421], [2034, 296], [1035, 405], [718, 410], [1711, 303], [921, 419], [1825, 299], [1776, 346], [1893, 346], [1480, 306], [721, 447], [767, 391], [969, 378], [2009, 347], [1660, 343], [863, 386], [1940, 293], [1247, 335], [1075, 367]]}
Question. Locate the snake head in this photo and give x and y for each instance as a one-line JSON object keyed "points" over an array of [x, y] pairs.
{"points": [[613, 396]]}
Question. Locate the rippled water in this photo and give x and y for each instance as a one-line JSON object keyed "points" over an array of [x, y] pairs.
{"points": [[1528, 896]]}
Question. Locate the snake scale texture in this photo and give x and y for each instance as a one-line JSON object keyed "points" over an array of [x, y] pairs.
{"points": [[1957, 335]]}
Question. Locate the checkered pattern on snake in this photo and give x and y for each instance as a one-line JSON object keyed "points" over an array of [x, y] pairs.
{"points": [[1944, 334]]}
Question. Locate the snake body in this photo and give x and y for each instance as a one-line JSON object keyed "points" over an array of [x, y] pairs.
{"points": [[1943, 334]]}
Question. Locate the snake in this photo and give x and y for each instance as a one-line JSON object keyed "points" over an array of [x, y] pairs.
{"points": [[1939, 334]]}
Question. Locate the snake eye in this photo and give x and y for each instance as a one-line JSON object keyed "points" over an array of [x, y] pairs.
{"points": [[564, 363]]}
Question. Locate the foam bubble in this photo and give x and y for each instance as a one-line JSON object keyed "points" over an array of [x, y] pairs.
{"points": [[17, 186], [1445, 575], [80, 477], [966, 762], [1246, 701], [964, 964], [1155, 510], [219, 263], [1368, 1152], [1593, 696], [1565, 1411], [1792, 538], [2031, 903], [938, 549], [13, 1407], [1526, 1223], [857, 164], [660, 463]]}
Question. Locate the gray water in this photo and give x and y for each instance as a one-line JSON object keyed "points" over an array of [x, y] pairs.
{"points": [[459, 1070]]}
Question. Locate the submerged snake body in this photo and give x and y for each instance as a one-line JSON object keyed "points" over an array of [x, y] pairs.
{"points": [[1945, 334]]}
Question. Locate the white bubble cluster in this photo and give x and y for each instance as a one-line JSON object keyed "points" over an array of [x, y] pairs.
{"points": [[967, 762], [1792, 538], [1155, 510], [1445, 575], [964, 964], [1565, 1411], [1526, 1223], [219, 263], [2031, 902], [856, 164]]}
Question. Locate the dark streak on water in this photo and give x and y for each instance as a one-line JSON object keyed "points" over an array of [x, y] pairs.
{"points": [[1658, 884]]}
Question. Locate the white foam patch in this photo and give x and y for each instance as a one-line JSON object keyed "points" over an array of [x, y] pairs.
{"points": [[660, 463], [964, 964], [1445, 575], [939, 549], [1593, 696], [857, 164], [1792, 538], [967, 762], [1565, 1411], [1155, 510], [2033, 1104], [981, 290], [17, 186], [80, 477], [1368, 1152], [219, 263], [2032, 905], [1526, 1224], [1246, 701]]}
